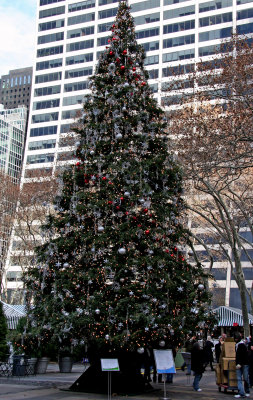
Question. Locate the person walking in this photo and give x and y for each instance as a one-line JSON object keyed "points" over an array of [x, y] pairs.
{"points": [[217, 349], [208, 350], [197, 365], [242, 367]]}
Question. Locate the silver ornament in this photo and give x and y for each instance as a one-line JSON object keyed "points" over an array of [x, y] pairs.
{"points": [[140, 350], [122, 251], [162, 343]]}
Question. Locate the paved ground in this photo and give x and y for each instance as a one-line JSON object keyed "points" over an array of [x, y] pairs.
{"points": [[54, 386]]}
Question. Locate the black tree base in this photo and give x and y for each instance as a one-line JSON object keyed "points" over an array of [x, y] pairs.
{"points": [[128, 381]]}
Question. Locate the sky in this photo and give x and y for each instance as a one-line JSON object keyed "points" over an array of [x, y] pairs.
{"points": [[17, 34]]}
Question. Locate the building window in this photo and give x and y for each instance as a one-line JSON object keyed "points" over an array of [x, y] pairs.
{"points": [[147, 19], [179, 12], [49, 51], [215, 19], [178, 41], [107, 13], [78, 19], [80, 32], [147, 33], [51, 25], [217, 34], [86, 44], [81, 5], [214, 5], [43, 131], [54, 37], [179, 26], [145, 5], [51, 12], [79, 59]]}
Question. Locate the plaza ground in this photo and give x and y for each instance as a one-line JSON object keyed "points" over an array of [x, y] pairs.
{"points": [[54, 386]]}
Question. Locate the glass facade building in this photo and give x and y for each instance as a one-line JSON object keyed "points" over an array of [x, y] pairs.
{"points": [[70, 36]]}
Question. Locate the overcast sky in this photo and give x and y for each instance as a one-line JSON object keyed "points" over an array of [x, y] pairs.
{"points": [[17, 34]]}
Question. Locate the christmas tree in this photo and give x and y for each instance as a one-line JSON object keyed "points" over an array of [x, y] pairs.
{"points": [[112, 274], [4, 349]]}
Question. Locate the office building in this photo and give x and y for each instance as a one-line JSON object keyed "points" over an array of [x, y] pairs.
{"points": [[15, 88], [70, 36]]}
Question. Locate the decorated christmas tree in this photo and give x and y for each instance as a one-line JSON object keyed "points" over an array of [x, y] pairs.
{"points": [[112, 275]]}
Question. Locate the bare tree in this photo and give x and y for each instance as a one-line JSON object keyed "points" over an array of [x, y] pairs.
{"points": [[35, 203], [8, 199], [214, 139]]}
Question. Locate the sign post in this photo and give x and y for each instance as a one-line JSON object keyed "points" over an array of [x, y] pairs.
{"points": [[109, 365], [164, 365]]}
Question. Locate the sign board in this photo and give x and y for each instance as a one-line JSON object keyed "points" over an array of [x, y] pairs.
{"points": [[164, 362], [109, 364]]}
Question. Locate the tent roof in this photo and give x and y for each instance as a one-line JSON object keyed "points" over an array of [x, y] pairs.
{"points": [[227, 316]]}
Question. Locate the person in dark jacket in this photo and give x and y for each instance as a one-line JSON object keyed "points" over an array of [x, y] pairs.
{"points": [[242, 367], [217, 349], [250, 352], [197, 365], [208, 350]]}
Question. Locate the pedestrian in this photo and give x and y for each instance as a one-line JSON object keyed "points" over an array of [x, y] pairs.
{"points": [[188, 349], [217, 349], [208, 350], [242, 367], [250, 352], [197, 365]]}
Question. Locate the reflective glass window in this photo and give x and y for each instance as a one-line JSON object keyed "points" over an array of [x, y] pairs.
{"points": [[72, 87], [69, 114], [245, 29], [151, 46], [217, 34], [147, 33], [78, 19], [107, 13], [36, 119], [49, 64], [45, 91], [80, 32], [147, 19], [215, 5], [46, 2], [178, 41], [179, 12], [179, 26], [70, 101], [215, 19], [75, 73], [150, 60], [51, 25], [43, 131], [245, 14], [53, 37], [86, 44], [42, 105], [170, 2], [179, 55], [40, 158], [145, 5], [105, 2], [81, 5], [48, 77], [49, 51], [79, 59], [51, 12], [103, 41], [42, 144]]}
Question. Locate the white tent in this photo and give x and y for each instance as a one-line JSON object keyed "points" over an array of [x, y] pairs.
{"points": [[13, 314], [228, 316]]}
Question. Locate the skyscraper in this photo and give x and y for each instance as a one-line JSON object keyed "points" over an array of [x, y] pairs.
{"points": [[70, 36], [15, 88]]}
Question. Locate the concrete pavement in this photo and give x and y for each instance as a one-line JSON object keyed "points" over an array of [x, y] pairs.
{"points": [[54, 386]]}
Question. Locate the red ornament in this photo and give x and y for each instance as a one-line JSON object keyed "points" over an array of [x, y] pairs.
{"points": [[122, 198], [118, 208], [109, 40], [78, 164], [110, 183], [134, 218], [86, 180], [117, 60], [147, 232], [114, 38], [104, 178], [111, 53], [122, 67], [143, 83], [124, 52], [109, 202], [126, 212], [134, 68], [145, 210]]}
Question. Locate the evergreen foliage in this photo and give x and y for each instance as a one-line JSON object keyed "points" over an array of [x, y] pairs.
{"points": [[113, 273], [4, 349]]}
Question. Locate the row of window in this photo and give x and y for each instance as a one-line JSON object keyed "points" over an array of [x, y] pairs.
{"points": [[16, 81], [42, 144]]}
